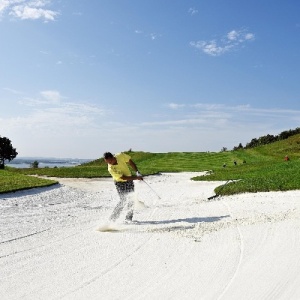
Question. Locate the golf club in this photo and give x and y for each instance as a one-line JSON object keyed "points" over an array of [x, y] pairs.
{"points": [[152, 189]]}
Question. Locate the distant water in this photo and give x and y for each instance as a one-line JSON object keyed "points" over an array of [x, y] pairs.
{"points": [[46, 162]]}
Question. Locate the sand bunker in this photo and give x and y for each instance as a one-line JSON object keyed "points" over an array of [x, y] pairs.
{"points": [[181, 246]]}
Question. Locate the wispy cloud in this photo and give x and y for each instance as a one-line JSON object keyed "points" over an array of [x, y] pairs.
{"points": [[12, 91], [206, 107], [77, 127], [52, 95], [28, 9], [175, 105], [153, 36], [192, 11], [230, 42], [51, 112], [210, 115], [48, 97]]}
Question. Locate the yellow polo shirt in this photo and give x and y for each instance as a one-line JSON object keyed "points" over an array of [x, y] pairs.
{"points": [[121, 168]]}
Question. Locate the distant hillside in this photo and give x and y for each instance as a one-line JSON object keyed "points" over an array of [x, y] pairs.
{"points": [[268, 139]]}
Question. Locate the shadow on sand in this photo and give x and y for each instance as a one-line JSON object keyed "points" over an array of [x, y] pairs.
{"points": [[187, 220], [178, 224], [29, 192]]}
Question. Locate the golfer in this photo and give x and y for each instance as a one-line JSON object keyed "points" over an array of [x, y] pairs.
{"points": [[117, 166]]}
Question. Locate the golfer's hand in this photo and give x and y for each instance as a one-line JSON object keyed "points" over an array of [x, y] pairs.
{"points": [[139, 175]]}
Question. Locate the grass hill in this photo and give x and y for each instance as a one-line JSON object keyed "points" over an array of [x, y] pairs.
{"points": [[265, 169], [257, 169]]}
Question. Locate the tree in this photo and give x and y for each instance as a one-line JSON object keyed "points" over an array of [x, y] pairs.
{"points": [[7, 152], [240, 146], [35, 164]]}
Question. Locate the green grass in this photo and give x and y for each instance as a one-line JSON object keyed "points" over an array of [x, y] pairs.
{"points": [[264, 170], [66, 172], [257, 177], [12, 182]]}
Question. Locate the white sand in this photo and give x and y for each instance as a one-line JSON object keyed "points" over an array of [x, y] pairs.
{"points": [[181, 246]]}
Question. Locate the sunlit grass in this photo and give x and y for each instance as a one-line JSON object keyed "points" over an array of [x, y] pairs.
{"points": [[11, 182], [281, 176]]}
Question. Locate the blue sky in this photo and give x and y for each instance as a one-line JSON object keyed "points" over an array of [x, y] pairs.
{"points": [[78, 78]]}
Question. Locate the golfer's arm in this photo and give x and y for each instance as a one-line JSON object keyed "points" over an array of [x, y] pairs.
{"points": [[133, 165], [131, 177]]}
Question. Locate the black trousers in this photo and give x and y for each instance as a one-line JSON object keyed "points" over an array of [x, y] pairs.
{"points": [[123, 189]]}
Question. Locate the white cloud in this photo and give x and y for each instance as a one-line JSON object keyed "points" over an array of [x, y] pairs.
{"points": [[154, 36], [192, 11], [209, 127], [174, 122], [49, 97], [33, 13], [175, 105], [249, 36], [240, 36], [24, 9], [52, 96], [211, 47], [246, 108], [50, 111], [232, 35], [53, 125], [3, 5], [232, 41], [45, 52], [12, 91], [216, 115]]}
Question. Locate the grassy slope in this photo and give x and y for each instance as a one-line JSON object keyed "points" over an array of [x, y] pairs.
{"points": [[12, 182], [264, 170]]}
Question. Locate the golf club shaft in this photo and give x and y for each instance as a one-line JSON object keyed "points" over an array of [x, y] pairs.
{"points": [[152, 189]]}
